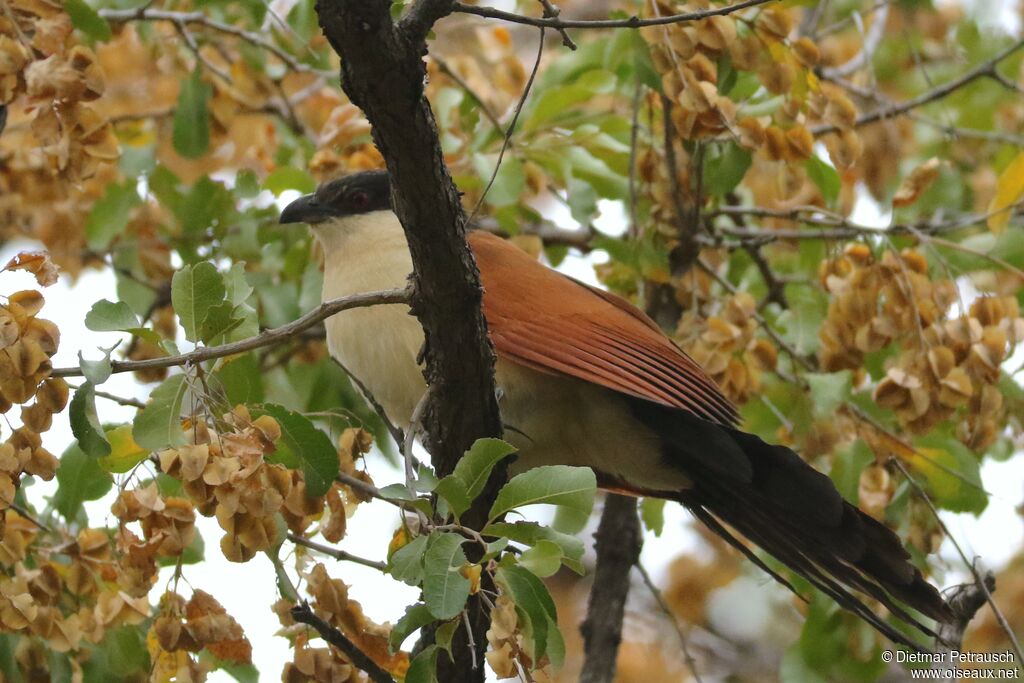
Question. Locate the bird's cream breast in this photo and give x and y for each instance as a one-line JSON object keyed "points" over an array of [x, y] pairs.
{"points": [[376, 344]]}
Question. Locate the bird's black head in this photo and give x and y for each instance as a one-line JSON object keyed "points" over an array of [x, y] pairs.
{"points": [[353, 194]]}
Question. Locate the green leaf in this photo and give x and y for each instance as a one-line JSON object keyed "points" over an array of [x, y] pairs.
{"points": [[96, 372], [825, 177], [247, 185], [445, 634], [406, 563], [724, 171], [125, 650], [571, 488], [158, 425], [124, 452], [87, 20], [204, 206], [243, 673], [509, 182], [191, 133], [475, 466], [195, 290], [802, 320], [79, 478], [534, 601], [109, 215], [794, 669], [952, 473], [241, 379], [847, 465], [829, 390], [107, 316], [416, 617], [289, 178], [531, 533], [445, 590], [453, 491], [220, 320], [423, 668], [302, 440], [85, 425], [652, 512], [543, 559]]}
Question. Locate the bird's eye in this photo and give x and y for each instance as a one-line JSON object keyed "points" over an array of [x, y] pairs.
{"points": [[358, 199]]}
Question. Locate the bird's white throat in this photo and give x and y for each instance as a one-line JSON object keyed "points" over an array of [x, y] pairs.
{"points": [[378, 344]]}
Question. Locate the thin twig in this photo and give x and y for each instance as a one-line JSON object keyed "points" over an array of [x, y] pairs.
{"points": [[842, 227], [691, 663], [362, 661], [201, 19], [336, 553], [28, 515], [448, 71], [469, 637], [978, 578], [511, 126], [551, 11], [868, 46], [410, 437], [267, 338], [1005, 82], [190, 42], [396, 432], [122, 400], [964, 600], [843, 23], [986, 68], [632, 22], [365, 488]]}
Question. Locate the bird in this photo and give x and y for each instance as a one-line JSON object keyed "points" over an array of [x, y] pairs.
{"points": [[585, 378]]}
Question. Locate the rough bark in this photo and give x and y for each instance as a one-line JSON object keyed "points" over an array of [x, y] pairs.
{"points": [[618, 542], [383, 73]]}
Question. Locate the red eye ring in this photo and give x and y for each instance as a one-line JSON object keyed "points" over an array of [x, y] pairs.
{"points": [[358, 199]]}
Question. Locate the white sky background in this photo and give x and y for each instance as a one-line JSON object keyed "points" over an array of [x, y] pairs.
{"points": [[247, 590]]}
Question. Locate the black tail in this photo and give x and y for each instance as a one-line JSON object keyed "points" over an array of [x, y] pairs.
{"points": [[772, 497]]}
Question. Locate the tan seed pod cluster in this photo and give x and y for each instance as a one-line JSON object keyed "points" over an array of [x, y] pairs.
{"points": [[946, 366], [27, 342], [684, 55], [727, 347], [504, 638], [58, 79], [332, 604]]}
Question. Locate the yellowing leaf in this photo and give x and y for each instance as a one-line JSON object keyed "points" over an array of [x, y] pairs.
{"points": [[914, 185], [124, 452], [1009, 189]]}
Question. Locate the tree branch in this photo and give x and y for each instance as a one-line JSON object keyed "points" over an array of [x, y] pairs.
{"points": [[986, 68], [634, 21], [304, 615], [382, 72], [965, 600], [618, 542], [336, 553], [273, 336], [981, 583]]}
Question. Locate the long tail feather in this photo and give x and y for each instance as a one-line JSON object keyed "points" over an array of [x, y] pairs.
{"points": [[792, 511]]}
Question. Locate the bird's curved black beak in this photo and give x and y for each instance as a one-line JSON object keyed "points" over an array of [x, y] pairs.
{"points": [[306, 209]]}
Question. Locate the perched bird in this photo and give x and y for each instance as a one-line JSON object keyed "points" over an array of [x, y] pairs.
{"points": [[587, 379]]}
